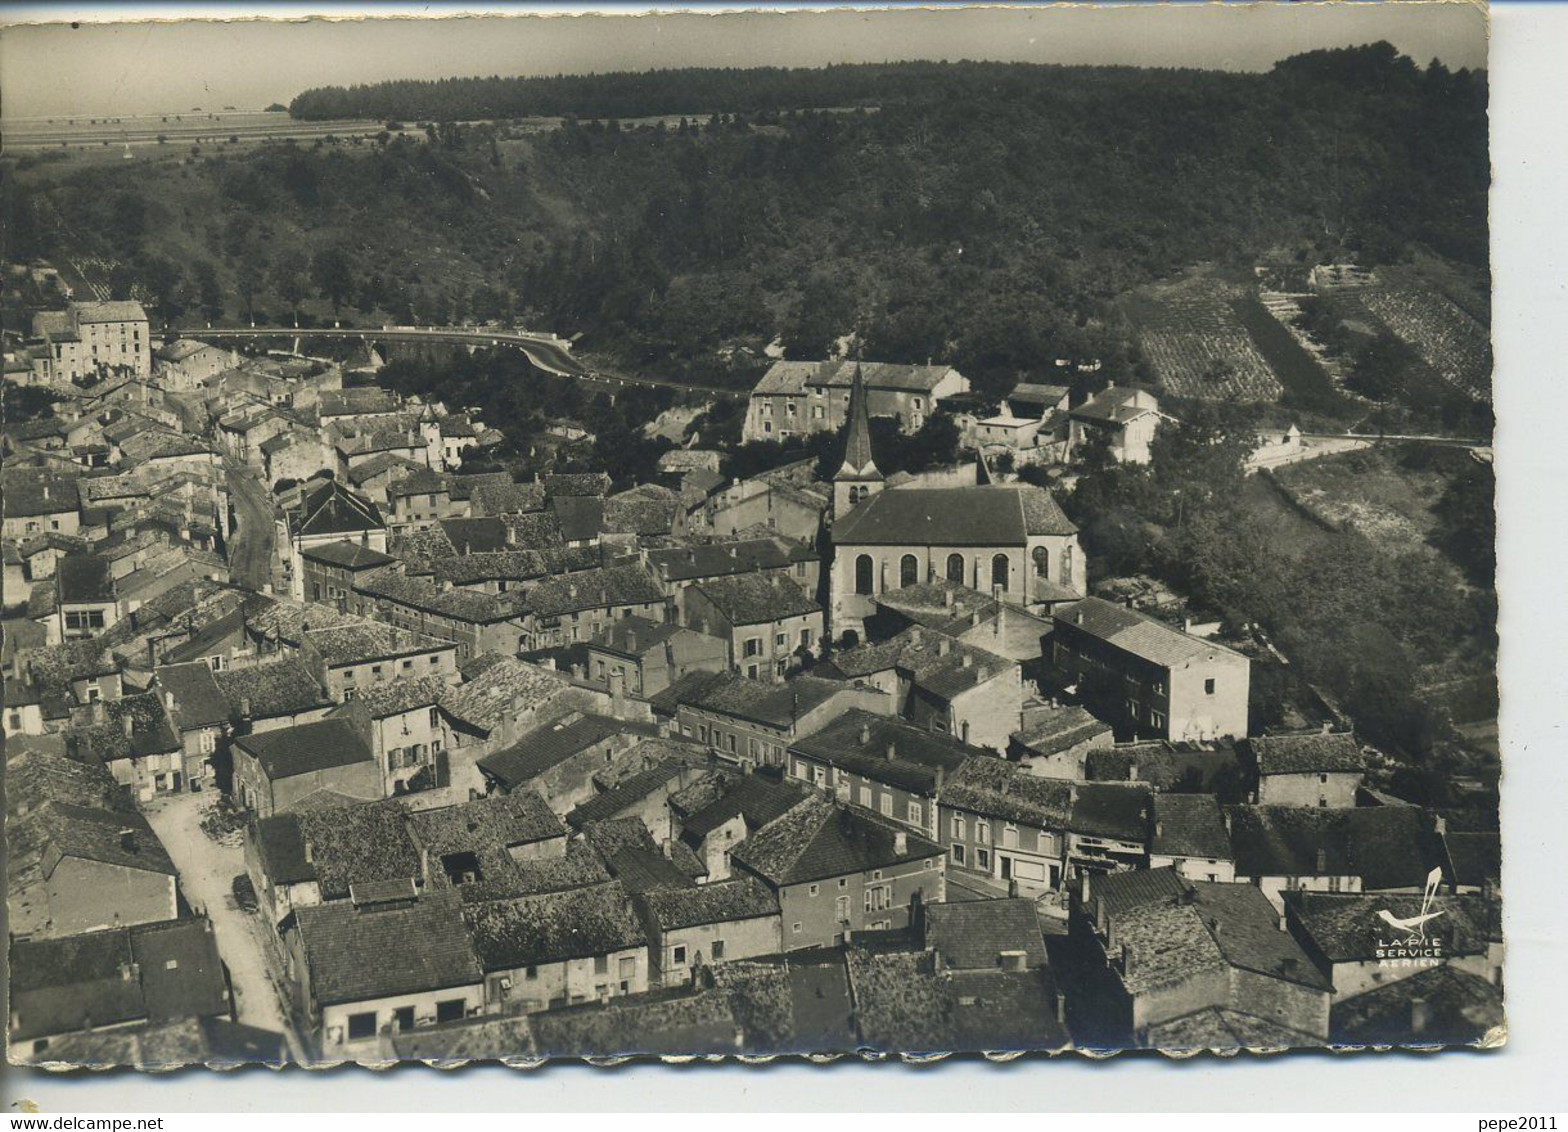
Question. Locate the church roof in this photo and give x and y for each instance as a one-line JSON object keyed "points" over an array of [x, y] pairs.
{"points": [[858, 460]]}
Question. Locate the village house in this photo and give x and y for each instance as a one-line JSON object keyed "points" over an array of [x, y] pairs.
{"points": [[1318, 768], [274, 695], [1437, 1006], [331, 513], [689, 928], [641, 795], [1055, 739], [88, 601], [984, 935], [558, 949], [1147, 677], [713, 814], [296, 454], [1107, 828], [968, 616], [880, 764], [474, 622], [244, 430], [346, 658], [1351, 943], [277, 771], [365, 969], [559, 759], [838, 870], [752, 722], [645, 658], [135, 739], [121, 977], [403, 726], [1190, 836], [1182, 952], [331, 570], [580, 606], [785, 500], [93, 339], [199, 712], [476, 845], [46, 685], [1124, 419], [186, 365], [1005, 825], [500, 700], [373, 475], [679, 567], [1366, 849], [38, 501], [80, 858], [767, 621], [801, 398]]}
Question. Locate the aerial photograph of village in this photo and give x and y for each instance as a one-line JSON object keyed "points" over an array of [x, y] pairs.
{"points": [[731, 554]]}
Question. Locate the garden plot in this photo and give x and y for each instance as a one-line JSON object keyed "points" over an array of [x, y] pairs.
{"points": [[1441, 334]]}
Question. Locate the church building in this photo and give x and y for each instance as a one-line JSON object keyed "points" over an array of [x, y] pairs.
{"points": [[1010, 540]]}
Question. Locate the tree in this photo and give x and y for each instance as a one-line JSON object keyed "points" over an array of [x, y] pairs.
{"points": [[1380, 367], [333, 274], [209, 291], [288, 278]]}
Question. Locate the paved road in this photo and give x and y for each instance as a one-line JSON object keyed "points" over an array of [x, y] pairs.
{"points": [[207, 870], [252, 541]]}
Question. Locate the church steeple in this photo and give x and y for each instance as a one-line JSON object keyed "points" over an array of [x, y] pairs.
{"points": [[858, 476]]}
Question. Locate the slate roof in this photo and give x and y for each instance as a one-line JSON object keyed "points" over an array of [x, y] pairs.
{"points": [[725, 901], [198, 700], [1313, 753], [756, 599], [349, 555], [1137, 633], [986, 515], [484, 699], [1189, 825], [335, 509], [359, 954], [531, 930], [860, 742], [818, 839], [283, 687], [594, 589], [1461, 1008], [306, 747], [972, 934], [1387, 846], [1002, 789], [84, 578]]}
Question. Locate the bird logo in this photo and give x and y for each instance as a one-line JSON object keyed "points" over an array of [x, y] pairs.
{"points": [[1417, 924]]}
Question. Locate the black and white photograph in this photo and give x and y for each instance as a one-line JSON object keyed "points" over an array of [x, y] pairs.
{"points": [[746, 535]]}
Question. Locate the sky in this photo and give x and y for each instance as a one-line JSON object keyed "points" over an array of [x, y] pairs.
{"points": [[122, 68]]}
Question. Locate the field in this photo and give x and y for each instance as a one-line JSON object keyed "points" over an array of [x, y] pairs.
{"points": [[1197, 345], [1307, 383], [1371, 492]]}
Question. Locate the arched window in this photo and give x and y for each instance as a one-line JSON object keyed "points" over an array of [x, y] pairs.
{"points": [[999, 571], [1067, 565], [1042, 562], [908, 570], [864, 570], [955, 568]]}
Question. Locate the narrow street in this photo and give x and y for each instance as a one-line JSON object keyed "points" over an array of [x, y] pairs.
{"points": [[254, 536], [207, 871]]}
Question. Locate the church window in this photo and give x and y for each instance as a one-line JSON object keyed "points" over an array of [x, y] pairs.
{"points": [[955, 568], [999, 567], [1042, 562], [864, 570], [908, 570]]}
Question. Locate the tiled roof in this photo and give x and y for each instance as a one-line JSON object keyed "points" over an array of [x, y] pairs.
{"points": [[197, 698], [359, 954], [456, 603], [531, 930], [108, 310], [485, 1038], [283, 687], [535, 530], [514, 565], [818, 839], [576, 484], [346, 554], [795, 377], [548, 746], [506, 685], [53, 830], [704, 1022], [580, 517], [1347, 928], [739, 898], [973, 934], [357, 400], [1189, 825], [1224, 1030], [335, 509], [470, 535], [1312, 753], [885, 749], [644, 510], [756, 599], [370, 640], [84, 578], [504, 821], [628, 792], [636, 636], [1387, 846], [405, 694], [1459, 1008], [777, 705], [594, 589], [998, 788], [1101, 809], [988, 515], [137, 726], [712, 560], [384, 462], [1112, 406], [718, 797], [1061, 730], [306, 747], [1137, 633], [1120, 892], [422, 546], [1176, 769], [1476, 857]]}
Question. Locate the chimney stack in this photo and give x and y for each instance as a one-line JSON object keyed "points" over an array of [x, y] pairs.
{"points": [[128, 721], [865, 734], [942, 646], [892, 751], [900, 843], [128, 841], [1420, 1015], [244, 707], [968, 660], [1322, 862], [168, 700], [941, 779], [1132, 776]]}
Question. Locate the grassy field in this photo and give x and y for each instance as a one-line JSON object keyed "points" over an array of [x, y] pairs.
{"points": [[1307, 384], [1372, 492]]}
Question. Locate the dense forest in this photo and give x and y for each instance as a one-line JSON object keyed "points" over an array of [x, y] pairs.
{"points": [[982, 214]]}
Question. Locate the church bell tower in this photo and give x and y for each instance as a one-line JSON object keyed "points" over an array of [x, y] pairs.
{"points": [[857, 478]]}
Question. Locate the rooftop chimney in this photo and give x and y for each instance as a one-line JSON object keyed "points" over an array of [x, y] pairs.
{"points": [[244, 707], [892, 751], [969, 660], [128, 841], [1132, 776], [1159, 829], [100, 713], [128, 721], [631, 639], [1012, 960], [168, 700], [1322, 861], [865, 734], [310, 852], [1420, 1015], [947, 598], [941, 777], [900, 842], [942, 646]]}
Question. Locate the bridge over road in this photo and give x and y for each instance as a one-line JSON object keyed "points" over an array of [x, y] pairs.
{"points": [[545, 351]]}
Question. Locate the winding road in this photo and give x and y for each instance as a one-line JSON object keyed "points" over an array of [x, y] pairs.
{"points": [[252, 541]]}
